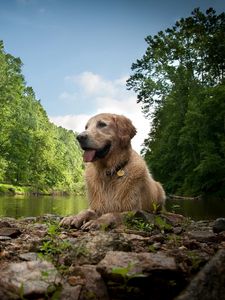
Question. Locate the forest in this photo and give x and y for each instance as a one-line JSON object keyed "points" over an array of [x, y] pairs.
{"points": [[180, 84], [33, 151]]}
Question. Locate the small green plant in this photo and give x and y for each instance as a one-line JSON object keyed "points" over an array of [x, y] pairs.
{"points": [[155, 207], [162, 224], [126, 272], [152, 248], [21, 292], [195, 260], [175, 240], [54, 247], [80, 250], [137, 223], [123, 271]]}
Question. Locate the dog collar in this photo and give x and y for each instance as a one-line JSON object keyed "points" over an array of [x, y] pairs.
{"points": [[118, 170]]}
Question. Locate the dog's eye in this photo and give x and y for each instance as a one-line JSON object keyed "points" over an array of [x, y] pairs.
{"points": [[101, 124]]}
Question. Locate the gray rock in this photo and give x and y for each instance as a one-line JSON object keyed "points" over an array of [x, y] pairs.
{"points": [[130, 275], [26, 279], [29, 256], [94, 287], [10, 232], [145, 216], [4, 224], [140, 263], [70, 292], [202, 236], [4, 238], [219, 225], [91, 248], [209, 283]]}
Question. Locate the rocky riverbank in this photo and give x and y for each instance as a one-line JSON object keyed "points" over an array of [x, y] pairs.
{"points": [[150, 256]]}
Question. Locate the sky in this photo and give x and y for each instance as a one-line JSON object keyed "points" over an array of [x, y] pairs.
{"points": [[77, 54]]}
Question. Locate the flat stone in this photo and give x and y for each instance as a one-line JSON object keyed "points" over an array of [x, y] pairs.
{"points": [[139, 262], [219, 225], [145, 216], [202, 236], [94, 287], [209, 283], [10, 232], [29, 278], [29, 256], [4, 224], [70, 292], [4, 238], [91, 248], [140, 275], [173, 219]]}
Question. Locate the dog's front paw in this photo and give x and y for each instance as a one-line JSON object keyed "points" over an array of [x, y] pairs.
{"points": [[106, 221], [72, 221], [78, 220], [91, 225]]}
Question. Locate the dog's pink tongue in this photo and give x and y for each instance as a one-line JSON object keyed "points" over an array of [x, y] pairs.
{"points": [[89, 155]]}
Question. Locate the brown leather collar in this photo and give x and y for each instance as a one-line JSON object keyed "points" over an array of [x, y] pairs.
{"points": [[118, 168]]}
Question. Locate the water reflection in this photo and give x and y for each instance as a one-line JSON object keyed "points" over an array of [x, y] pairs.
{"points": [[21, 206], [207, 209]]}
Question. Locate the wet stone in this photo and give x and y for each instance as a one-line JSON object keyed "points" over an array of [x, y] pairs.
{"points": [[132, 275], [27, 279], [29, 256], [209, 283], [4, 224], [10, 232], [219, 225], [202, 236]]}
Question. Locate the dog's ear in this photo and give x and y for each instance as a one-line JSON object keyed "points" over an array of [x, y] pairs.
{"points": [[125, 129]]}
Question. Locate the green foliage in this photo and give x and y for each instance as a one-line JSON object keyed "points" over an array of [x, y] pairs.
{"points": [[33, 151], [162, 224], [137, 223], [195, 260], [180, 82], [127, 273], [54, 247]]}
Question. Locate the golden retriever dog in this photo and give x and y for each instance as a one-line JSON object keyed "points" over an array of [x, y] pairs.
{"points": [[117, 178]]}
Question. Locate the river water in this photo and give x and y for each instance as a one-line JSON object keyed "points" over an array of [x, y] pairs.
{"points": [[27, 206], [21, 206]]}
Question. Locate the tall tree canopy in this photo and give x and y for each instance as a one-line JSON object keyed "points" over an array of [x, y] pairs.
{"points": [[181, 86], [33, 151]]}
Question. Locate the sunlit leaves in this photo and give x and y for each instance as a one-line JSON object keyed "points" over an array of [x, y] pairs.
{"points": [[33, 151]]}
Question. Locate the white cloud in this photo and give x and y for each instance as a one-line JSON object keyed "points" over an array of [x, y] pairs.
{"points": [[109, 96]]}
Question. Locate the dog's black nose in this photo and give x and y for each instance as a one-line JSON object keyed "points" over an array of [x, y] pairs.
{"points": [[82, 137]]}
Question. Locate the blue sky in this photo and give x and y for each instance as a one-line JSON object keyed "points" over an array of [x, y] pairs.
{"points": [[77, 54]]}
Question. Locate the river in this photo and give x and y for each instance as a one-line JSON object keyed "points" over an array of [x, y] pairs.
{"points": [[32, 206], [27, 206]]}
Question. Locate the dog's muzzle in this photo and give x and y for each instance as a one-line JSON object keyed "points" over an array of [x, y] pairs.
{"points": [[90, 153]]}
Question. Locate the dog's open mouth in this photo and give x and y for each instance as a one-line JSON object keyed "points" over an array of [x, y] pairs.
{"points": [[91, 155]]}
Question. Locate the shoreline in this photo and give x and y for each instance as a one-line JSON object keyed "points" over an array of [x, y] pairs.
{"points": [[13, 190]]}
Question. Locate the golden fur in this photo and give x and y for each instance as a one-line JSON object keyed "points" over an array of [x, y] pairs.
{"points": [[110, 191]]}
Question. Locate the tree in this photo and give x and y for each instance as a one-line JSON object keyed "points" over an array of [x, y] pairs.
{"points": [[33, 151], [180, 84]]}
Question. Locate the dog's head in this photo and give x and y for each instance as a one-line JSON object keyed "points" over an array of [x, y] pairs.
{"points": [[103, 134]]}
